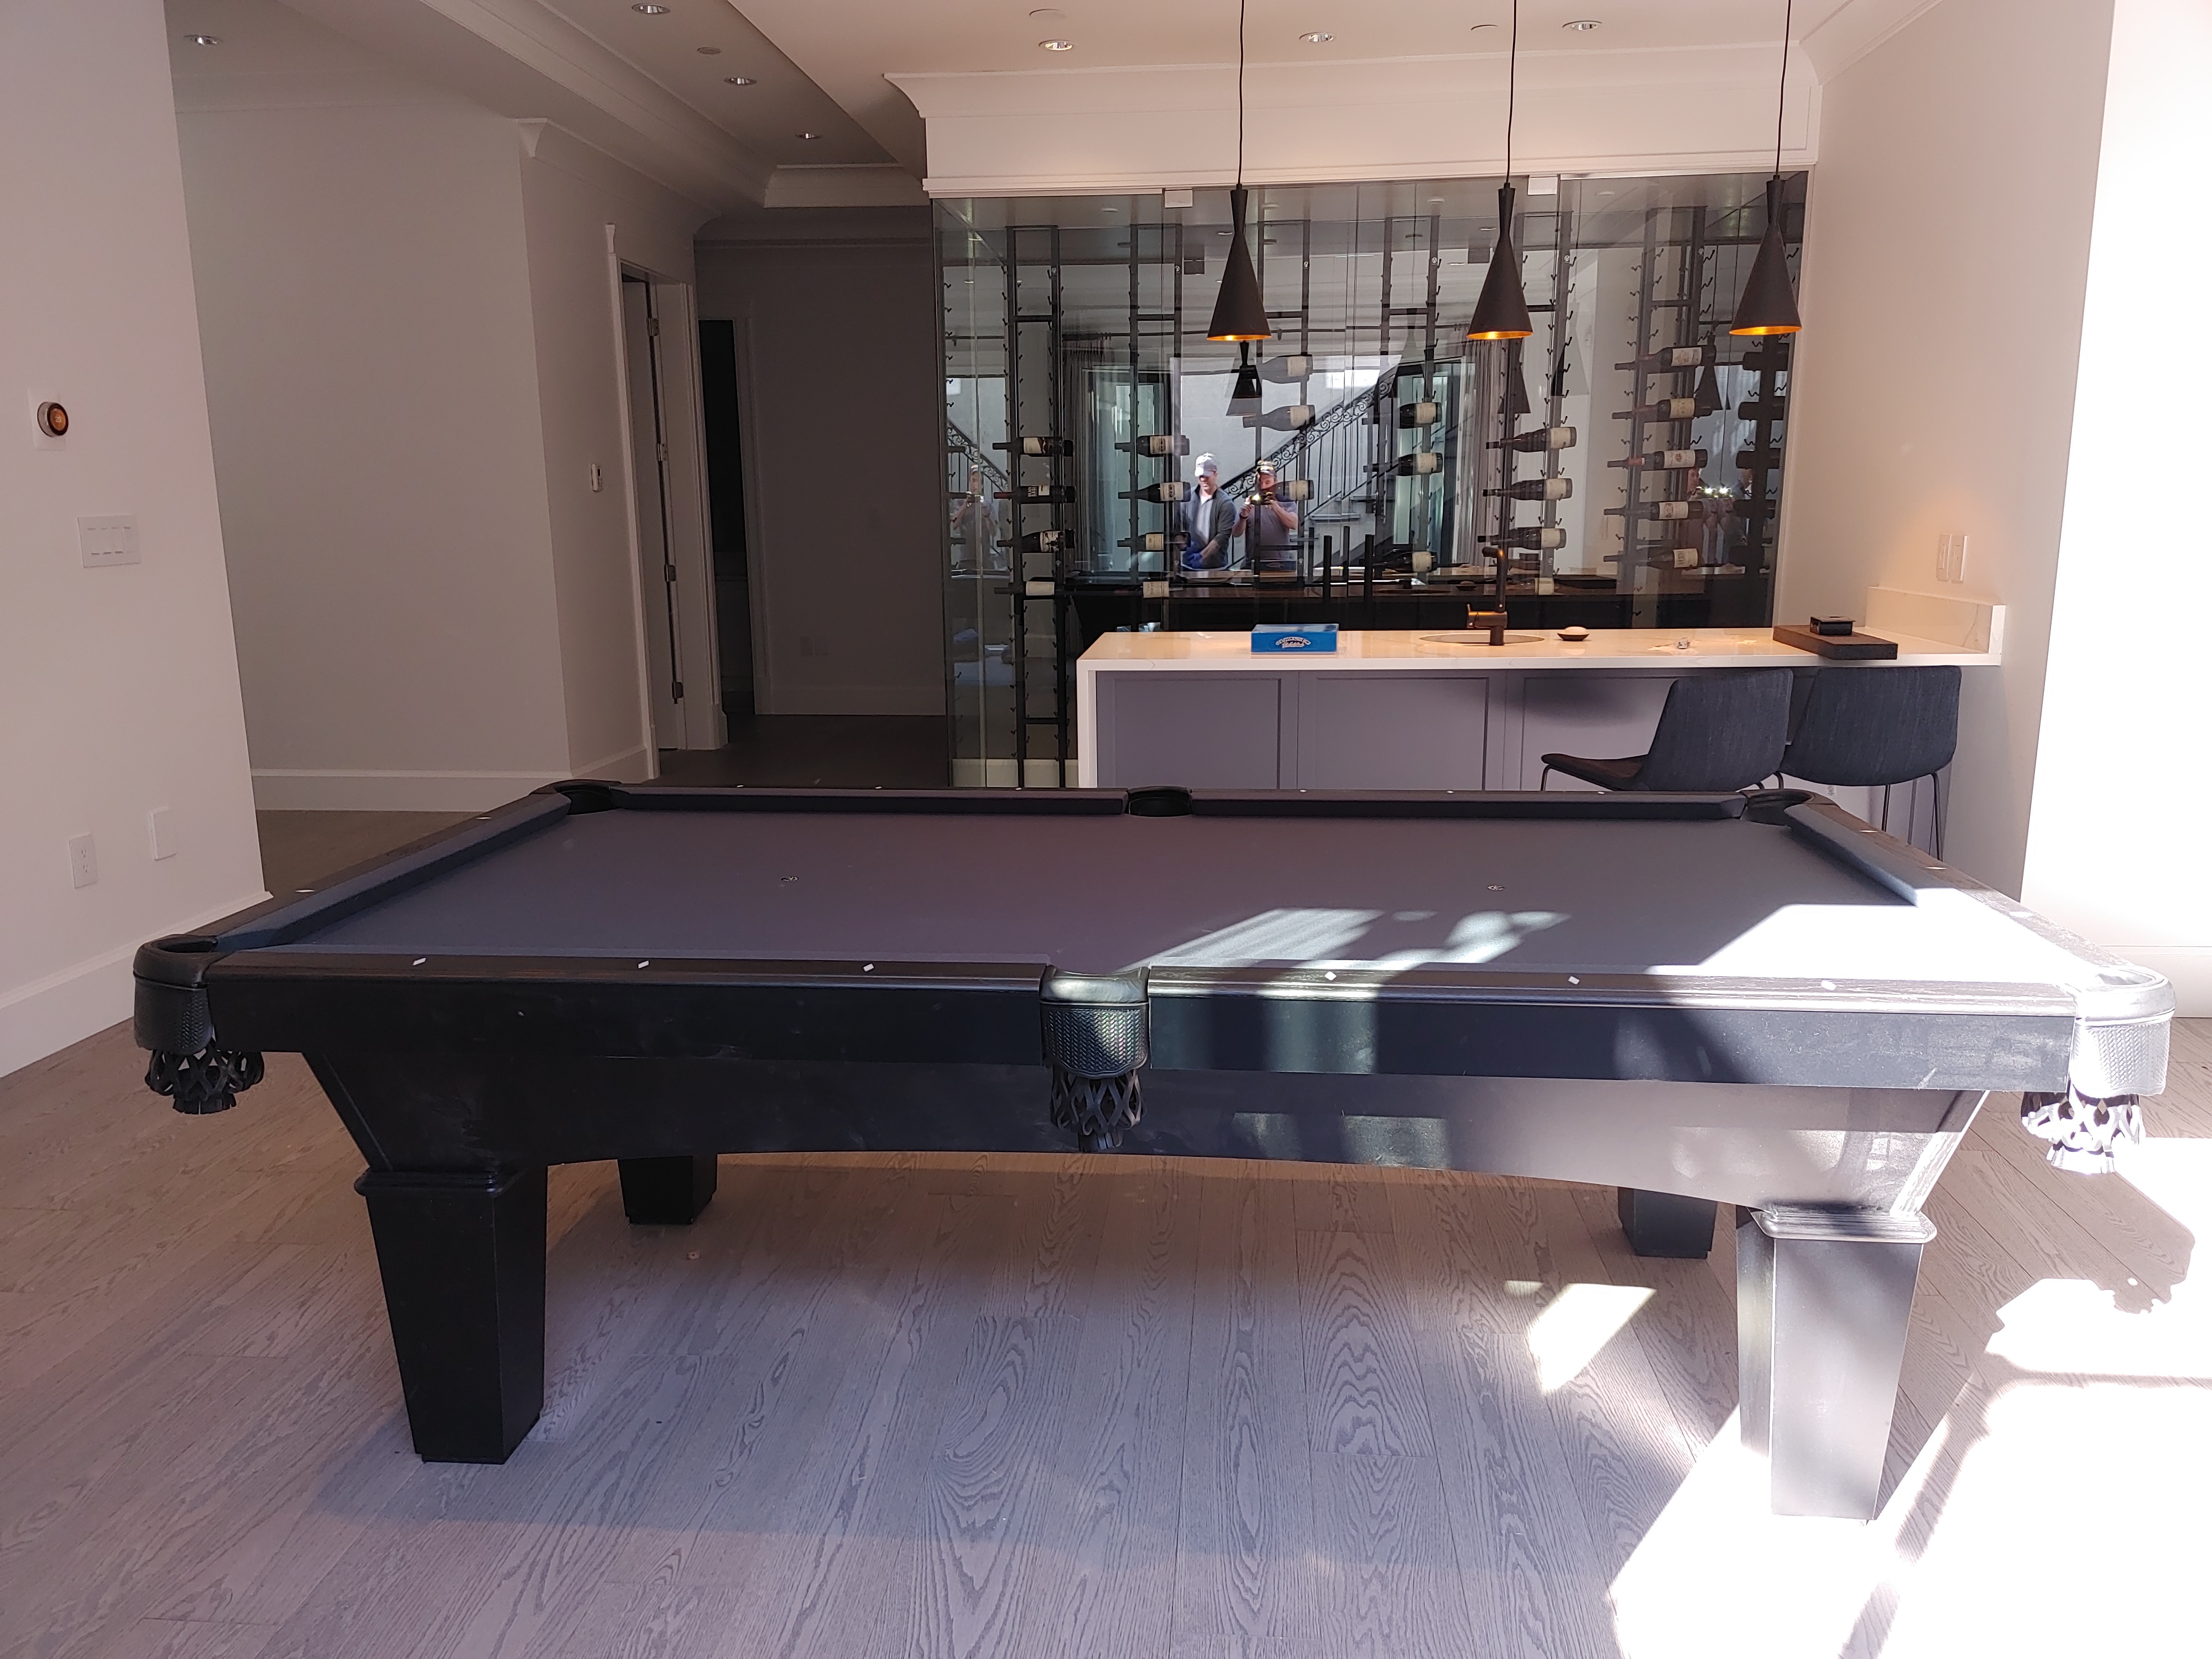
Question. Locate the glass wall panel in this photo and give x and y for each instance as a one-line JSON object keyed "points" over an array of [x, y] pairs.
{"points": [[1618, 468]]}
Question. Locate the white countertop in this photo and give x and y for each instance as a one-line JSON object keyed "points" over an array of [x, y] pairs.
{"points": [[1430, 648]]}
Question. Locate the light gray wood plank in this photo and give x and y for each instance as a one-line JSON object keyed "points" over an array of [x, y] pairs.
{"points": [[1244, 1584], [1389, 1580], [1535, 1587], [1363, 1388], [1116, 1468]]}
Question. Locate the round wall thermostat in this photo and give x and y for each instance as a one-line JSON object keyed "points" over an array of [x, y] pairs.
{"points": [[53, 420]]}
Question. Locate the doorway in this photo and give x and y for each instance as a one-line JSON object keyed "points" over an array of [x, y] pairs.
{"points": [[726, 501]]}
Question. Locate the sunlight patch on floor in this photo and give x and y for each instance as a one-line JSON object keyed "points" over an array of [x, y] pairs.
{"points": [[1574, 1329]]}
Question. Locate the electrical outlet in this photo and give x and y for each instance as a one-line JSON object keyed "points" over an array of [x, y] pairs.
{"points": [[103, 541], [161, 833], [84, 867]]}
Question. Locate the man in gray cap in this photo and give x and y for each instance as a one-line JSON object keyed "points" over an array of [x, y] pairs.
{"points": [[1209, 520]]}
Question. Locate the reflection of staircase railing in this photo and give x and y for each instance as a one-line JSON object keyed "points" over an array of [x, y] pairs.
{"points": [[960, 443], [1290, 456]]}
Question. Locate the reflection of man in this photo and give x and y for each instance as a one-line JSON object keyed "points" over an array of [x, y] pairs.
{"points": [[1209, 520], [975, 528], [1270, 528]]}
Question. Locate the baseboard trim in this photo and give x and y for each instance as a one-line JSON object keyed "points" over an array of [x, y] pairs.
{"points": [[289, 791], [2189, 967], [625, 766], [47, 1016]]}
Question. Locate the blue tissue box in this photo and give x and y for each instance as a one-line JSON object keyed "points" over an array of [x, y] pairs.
{"points": [[1294, 636]]}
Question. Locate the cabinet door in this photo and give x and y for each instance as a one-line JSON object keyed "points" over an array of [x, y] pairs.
{"points": [[1200, 731], [1380, 732]]}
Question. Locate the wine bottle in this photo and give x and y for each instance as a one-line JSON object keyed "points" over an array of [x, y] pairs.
{"points": [[1759, 358], [1670, 359], [1541, 536], [1756, 410], [1758, 460], [1668, 511], [1287, 369], [1158, 443], [1289, 418], [1420, 463], [1537, 490], [1421, 414], [1665, 460], [1151, 542], [1037, 495], [1665, 408], [1041, 446], [1045, 541], [1294, 489], [1543, 438], [1173, 491]]}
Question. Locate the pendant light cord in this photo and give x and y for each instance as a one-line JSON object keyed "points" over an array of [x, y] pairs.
{"points": [[1240, 98], [1512, 70], [1781, 98]]}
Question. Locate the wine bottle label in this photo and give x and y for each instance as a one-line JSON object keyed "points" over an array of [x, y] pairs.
{"points": [[1673, 509], [1151, 542], [1044, 541], [1419, 462], [1672, 458], [1686, 558], [1162, 443], [1420, 414]]}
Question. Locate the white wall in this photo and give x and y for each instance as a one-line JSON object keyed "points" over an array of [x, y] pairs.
{"points": [[2116, 844], [841, 422], [1946, 256], [118, 688], [373, 382], [406, 307]]}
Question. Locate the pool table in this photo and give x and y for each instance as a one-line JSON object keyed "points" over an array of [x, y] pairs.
{"points": [[1758, 1001]]}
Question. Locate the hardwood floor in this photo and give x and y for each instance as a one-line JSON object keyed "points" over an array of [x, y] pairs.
{"points": [[1009, 1406]]}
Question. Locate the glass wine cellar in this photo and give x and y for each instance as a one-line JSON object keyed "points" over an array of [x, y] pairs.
{"points": [[1620, 469]]}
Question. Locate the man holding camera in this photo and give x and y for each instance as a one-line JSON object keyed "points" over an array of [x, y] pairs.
{"points": [[1270, 528]]}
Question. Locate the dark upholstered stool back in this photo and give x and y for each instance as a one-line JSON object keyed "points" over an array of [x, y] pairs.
{"points": [[1719, 731], [1875, 726]]}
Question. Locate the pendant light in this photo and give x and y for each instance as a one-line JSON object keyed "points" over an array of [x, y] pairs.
{"points": [[1501, 312], [1239, 312], [1768, 305]]}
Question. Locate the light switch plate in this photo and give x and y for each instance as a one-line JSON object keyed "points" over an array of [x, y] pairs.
{"points": [[161, 833], [1951, 558], [112, 540]]}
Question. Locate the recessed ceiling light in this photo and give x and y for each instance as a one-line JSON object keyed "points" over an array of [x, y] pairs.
{"points": [[1316, 37], [1581, 25], [650, 9], [205, 39], [738, 80], [1057, 46], [1436, 201], [809, 135], [710, 51]]}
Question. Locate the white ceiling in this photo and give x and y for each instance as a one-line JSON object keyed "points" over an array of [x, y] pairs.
{"points": [[640, 88]]}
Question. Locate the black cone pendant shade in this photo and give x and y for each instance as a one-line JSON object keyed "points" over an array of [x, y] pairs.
{"points": [[1768, 307], [1244, 397], [1502, 311], [1239, 313], [1709, 390]]}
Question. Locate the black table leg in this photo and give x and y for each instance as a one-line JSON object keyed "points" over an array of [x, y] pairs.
{"points": [[462, 1257], [1823, 1300], [667, 1192], [1667, 1223]]}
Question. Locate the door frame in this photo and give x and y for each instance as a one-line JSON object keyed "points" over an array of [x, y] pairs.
{"points": [[684, 488]]}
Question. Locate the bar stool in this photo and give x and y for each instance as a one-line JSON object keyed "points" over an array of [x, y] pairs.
{"points": [[1716, 731], [1878, 727]]}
